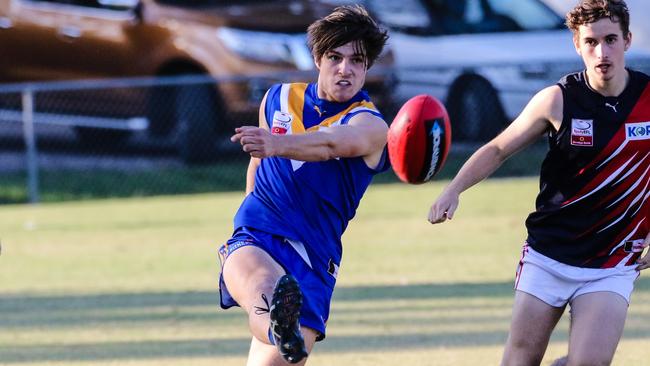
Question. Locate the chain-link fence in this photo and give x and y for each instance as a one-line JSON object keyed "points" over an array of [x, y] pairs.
{"points": [[77, 135], [150, 136]]}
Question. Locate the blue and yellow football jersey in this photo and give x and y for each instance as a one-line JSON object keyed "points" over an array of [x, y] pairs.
{"points": [[310, 202]]}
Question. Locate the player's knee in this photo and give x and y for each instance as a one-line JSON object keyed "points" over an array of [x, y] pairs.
{"points": [[521, 360], [523, 352], [588, 360], [526, 345], [560, 361], [525, 359]]}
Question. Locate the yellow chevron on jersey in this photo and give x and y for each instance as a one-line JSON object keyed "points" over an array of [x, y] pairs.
{"points": [[336, 119], [292, 101], [309, 202]]}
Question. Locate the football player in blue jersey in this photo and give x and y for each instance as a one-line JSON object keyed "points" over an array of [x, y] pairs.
{"points": [[313, 155], [592, 219]]}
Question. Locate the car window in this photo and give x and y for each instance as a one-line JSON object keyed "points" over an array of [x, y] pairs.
{"points": [[486, 16], [448, 17], [529, 14], [201, 3], [88, 3], [97, 4], [403, 14]]}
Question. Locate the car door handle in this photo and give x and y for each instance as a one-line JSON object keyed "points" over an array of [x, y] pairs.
{"points": [[70, 32], [534, 72], [5, 23]]}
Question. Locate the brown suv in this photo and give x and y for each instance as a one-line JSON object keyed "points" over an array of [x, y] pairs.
{"points": [[241, 40]]}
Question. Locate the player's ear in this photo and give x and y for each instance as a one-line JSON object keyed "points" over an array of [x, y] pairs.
{"points": [[317, 62], [628, 40], [576, 43]]}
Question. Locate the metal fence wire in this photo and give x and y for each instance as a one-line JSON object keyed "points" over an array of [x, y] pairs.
{"points": [[170, 135], [121, 125]]}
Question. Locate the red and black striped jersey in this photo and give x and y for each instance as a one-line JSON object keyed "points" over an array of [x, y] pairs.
{"points": [[595, 179]]}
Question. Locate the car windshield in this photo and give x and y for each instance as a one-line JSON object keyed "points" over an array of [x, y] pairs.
{"points": [[403, 14], [439, 17], [204, 3], [529, 14]]}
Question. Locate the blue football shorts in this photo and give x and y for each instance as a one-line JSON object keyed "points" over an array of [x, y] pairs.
{"points": [[316, 293]]}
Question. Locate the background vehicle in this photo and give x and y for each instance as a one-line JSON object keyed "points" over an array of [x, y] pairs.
{"points": [[244, 44], [638, 14], [484, 58]]}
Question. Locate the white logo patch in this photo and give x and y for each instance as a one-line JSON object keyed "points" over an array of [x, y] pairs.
{"points": [[582, 132], [281, 123], [436, 133], [637, 131]]}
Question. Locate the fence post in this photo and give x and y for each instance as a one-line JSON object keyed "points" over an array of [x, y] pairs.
{"points": [[30, 144]]}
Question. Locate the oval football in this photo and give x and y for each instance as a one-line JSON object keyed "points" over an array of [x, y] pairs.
{"points": [[419, 139]]}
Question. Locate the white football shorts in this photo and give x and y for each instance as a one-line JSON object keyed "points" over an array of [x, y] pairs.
{"points": [[557, 283]]}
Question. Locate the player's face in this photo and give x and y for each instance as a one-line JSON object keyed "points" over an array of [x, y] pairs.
{"points": [[342, 73], [602, 47]]}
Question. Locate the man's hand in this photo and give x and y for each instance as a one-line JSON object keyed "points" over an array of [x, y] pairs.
{"points": [[444, 207], [258, 142], [644, 261]]}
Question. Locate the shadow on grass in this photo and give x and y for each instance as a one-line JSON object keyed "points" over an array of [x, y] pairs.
{"points": [[195, 348], [28, 310], [424, 291], [131, 350], [125, 310]]}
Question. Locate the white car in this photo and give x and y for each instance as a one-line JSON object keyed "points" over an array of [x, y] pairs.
{"points": [[639, 10], [484, 59]]}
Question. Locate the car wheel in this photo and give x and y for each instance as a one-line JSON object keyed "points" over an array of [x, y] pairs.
{"points": [[475, 111], [196, 115], [160, 110], [101, 137]]}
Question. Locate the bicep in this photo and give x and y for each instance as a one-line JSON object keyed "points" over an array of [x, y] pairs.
{"points": [[263, 123], [253, 164], [363, 135], [541, 113]]}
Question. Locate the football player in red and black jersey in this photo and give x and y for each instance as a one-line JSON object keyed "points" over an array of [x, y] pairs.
{"points": [[592, 220]]}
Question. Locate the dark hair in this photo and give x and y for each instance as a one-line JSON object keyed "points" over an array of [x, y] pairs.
{"points": [[590, 11], [350, 23]]}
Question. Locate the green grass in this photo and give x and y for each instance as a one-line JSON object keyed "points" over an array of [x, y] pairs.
{"points": [[56, 185], [69, 185], [133, 282]]}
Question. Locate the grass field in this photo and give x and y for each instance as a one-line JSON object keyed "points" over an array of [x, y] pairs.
{"points": [[134, 282]]}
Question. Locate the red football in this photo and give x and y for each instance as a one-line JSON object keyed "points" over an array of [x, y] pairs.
{"points": [[419, 139]]}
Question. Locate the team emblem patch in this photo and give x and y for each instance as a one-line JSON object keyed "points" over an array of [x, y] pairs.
{"points": [[637, 131], [332, 268], [582, 132], [281, 123]]}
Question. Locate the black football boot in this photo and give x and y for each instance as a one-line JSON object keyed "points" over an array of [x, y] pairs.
{"points": [[285, 319]]}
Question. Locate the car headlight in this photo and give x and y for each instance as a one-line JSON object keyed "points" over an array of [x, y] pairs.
{"points": [[268, 47]]}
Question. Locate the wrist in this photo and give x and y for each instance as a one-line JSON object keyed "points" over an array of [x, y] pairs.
{"points": [[278, 145], [452, 190]]}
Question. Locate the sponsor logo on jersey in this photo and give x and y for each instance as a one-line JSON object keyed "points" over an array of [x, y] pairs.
{"points": [[637, 131], [633, 246], [582, 132], [281, 123], [228, 248], [317, 109], [436, 141], [332, 268]]}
